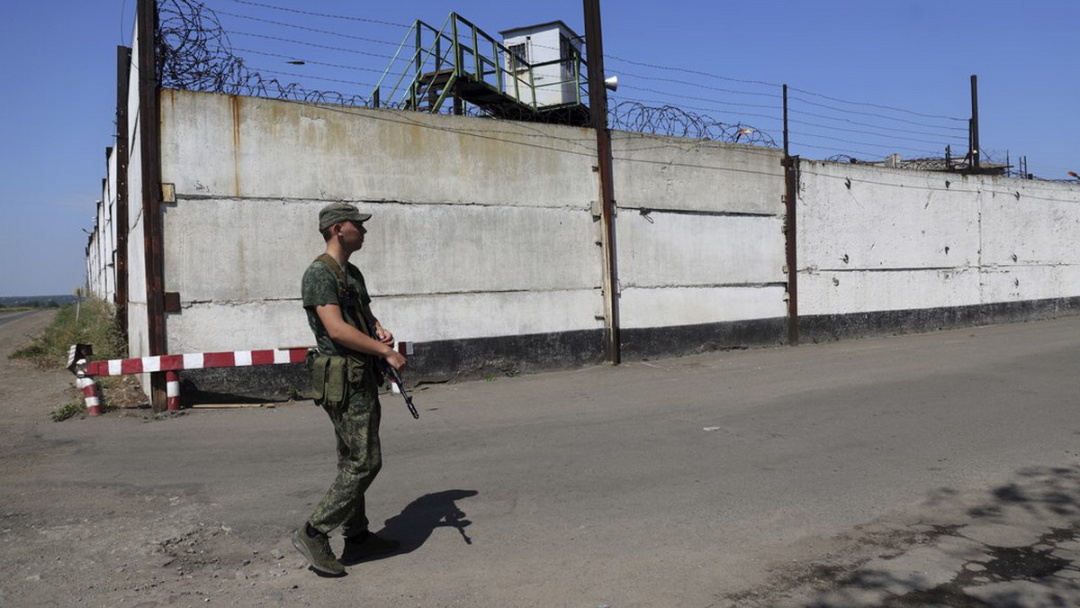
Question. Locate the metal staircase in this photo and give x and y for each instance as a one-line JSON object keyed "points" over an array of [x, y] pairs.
{"points": [[447, 70]]}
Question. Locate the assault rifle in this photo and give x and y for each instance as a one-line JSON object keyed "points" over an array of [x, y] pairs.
{"points": [[389, 369], [395, 377]]}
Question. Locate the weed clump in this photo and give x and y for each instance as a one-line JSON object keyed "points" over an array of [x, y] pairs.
{"points": [[89, 321]]}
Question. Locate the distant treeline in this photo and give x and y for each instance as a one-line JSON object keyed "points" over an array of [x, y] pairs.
{"points": [[36, 301]]}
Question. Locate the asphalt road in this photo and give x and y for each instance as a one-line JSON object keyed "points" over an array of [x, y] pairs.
{"points": [[742, 478], [8, 317]]}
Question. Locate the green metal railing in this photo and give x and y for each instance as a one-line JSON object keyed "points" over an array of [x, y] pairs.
{"points": [[460, 52]]}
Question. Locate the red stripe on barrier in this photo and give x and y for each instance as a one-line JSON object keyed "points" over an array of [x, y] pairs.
{"points": [[262, 357], [131, 366], [297, 355], [219, 360], [172, 362], [97, 368]]}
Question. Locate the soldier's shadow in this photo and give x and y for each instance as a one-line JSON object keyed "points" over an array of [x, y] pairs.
{"points": [[417, 521]]}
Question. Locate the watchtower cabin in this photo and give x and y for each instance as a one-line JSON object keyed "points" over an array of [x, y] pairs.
{"points": [[553, 51]]}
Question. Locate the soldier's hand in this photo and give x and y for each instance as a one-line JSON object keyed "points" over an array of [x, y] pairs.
{"points": [[385, 335], [395, 359]]}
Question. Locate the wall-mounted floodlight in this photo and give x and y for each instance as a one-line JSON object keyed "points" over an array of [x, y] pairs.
{"points": [[611, 83]]}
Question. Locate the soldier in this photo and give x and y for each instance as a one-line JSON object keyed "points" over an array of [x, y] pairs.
{"points": [[345, 379]]}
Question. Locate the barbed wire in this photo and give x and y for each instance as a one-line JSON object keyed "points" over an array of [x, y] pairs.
{"points": [[196, 53], [677, 122]]}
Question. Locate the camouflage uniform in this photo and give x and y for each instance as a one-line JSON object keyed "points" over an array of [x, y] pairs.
{"points": [[353, 407]]}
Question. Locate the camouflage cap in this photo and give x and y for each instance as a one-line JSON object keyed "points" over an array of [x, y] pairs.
{"points": [[340, 212]]}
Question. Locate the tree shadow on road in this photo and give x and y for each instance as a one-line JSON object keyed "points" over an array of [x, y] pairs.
{"points": [[959, 550], [417, 521]]}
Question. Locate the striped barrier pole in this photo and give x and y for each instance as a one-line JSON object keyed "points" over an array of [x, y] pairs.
{"points": [[172, 391], [166, 363], [89, 393]]}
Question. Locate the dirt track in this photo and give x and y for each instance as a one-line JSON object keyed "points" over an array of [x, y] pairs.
{"points": [[106, 542]]}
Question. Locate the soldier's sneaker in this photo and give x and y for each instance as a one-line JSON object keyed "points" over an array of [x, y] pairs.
{"points": [[318, 553], [368, 544]]}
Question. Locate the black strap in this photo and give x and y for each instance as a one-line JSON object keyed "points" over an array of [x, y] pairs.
{"points": [[354, 314]]}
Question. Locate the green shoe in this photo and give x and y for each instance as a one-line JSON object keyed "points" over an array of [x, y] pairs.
{"points": [[318, 553], [363, 546]]}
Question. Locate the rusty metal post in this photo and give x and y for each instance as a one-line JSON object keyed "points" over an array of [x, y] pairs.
{"points": [[975, 123], [791, 189], [598, 112], [123, 155], [150, 148]]}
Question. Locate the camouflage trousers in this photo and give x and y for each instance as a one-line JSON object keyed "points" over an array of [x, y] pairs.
{"points": [[356, 427]]}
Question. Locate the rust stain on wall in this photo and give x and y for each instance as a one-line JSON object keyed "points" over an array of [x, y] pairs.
{"points": [[235, 102]]}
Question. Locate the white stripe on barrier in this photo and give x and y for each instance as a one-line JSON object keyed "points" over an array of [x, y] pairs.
{"points": [[114, 367], [172, 389], [281, 356], [151, 364], [193, 361], [242, 358]]}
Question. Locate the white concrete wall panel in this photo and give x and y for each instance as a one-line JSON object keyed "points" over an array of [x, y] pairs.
{"points": [[257, 148], [674, 306], [656, 172], [870, 218], [1032, 229], [239, 325], [831, 292], [236, 249], [874, 239], [672, 250], [490, 315], [230, 250], [257, 324], [425, 249], [1021, 283]]}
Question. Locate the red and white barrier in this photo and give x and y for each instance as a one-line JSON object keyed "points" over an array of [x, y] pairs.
{"points": [[85, 370], [171, 363]]}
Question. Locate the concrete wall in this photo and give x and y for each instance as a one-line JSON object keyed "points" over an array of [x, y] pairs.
{"points": [[481, 229], [700, 223], [101, 246], [700, 242], [484, 246], [138, 322], [877, 240], [483, 233]]}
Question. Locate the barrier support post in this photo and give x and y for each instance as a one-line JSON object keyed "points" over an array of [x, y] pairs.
{"points": [[172, 391], [89, 392]]}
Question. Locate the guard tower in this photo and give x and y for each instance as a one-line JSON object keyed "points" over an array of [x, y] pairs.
{"points": [[458, 67], [552, 50]]}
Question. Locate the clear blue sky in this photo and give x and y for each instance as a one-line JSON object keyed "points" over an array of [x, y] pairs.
{"points": [[726, 60]]}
